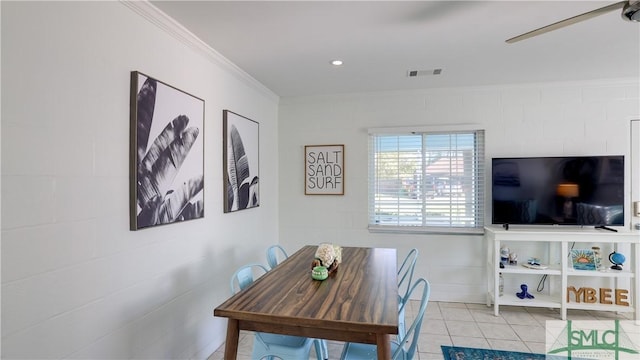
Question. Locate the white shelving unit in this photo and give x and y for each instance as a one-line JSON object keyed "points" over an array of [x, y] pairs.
{"points": [[552, 245]]}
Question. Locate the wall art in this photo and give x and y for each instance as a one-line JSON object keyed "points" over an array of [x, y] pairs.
{"points": [[324, 169], [240, 148], [166, 154], [583, 259]]}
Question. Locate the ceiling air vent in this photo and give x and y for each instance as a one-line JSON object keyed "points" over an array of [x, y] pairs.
{"points": [[415, 73]]}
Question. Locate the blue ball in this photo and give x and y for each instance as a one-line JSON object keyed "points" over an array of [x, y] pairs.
{"points": [[617, 258]]}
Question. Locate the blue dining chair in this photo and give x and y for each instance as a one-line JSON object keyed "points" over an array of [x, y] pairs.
{"points": [[273, 253], [405, 278], [404, 348], [267, 345], [245, 275]]}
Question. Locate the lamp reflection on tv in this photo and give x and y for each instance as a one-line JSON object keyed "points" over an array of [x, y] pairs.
{"points": [[568, 191]]}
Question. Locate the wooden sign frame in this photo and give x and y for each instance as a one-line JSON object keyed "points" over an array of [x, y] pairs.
{"points": [[324, 170]]}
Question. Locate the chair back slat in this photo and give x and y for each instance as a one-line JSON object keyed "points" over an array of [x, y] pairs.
{"points": [[273, 253], [245, 275], [405, 273], [413, 333]]}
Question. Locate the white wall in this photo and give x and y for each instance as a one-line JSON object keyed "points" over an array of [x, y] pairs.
{"points": [[526, 120], [76, 283]]}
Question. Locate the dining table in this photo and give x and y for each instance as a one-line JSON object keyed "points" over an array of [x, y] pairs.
{"points": [[358, 302]]}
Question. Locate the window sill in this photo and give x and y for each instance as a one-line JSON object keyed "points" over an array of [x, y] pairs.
{"points": [[425, 230]]}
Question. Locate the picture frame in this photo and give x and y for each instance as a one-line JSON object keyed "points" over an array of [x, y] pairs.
{"points": [[583, 259], [241, 162], [324, 169], [166, 164]]}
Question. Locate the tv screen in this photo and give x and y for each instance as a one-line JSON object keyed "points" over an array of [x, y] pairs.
{"points": [[576, 190]]}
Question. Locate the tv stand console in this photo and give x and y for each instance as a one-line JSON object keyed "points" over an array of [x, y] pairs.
{"points": [[564, 287]]}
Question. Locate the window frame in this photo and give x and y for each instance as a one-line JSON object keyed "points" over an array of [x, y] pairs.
{"points": [[479, 178]]}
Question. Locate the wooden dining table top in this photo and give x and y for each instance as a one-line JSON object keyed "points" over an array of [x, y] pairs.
{"points": [[355, 303]]}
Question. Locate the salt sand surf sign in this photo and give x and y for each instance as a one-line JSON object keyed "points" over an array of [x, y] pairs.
{"points": [[324, 169]]}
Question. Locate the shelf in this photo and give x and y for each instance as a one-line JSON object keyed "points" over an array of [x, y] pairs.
{"points": [[539, 301], [519, 269], [599, 307], [552, 245], [564, 234], [601, 273]]}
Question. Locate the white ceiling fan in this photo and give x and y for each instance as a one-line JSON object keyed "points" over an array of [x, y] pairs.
{"points": [[630, 12]]}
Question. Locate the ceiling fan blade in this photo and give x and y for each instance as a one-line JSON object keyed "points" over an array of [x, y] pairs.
{"points": [[569, 21]]}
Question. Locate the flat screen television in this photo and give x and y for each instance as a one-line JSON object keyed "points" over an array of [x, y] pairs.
{"points": [[568, 190]]}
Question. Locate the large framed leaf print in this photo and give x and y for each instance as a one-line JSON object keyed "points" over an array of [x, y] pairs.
{"points": [[240, 148], [167, 154]]}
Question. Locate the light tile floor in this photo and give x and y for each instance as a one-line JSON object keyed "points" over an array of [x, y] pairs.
{"points": [[469, 325]]}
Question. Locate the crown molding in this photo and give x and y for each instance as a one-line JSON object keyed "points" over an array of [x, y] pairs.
{"points": [[167, 24]]}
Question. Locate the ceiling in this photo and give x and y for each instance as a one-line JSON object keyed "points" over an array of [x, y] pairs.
{"points": [[288, 45]]}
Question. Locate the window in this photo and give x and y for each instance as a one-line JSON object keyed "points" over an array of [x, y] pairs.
{"points": [[429, 181]]}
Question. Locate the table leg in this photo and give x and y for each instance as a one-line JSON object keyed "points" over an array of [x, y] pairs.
{"points": [[383, 342], [231, 344]]}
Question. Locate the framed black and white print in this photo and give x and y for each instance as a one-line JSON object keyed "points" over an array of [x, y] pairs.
{"points": [[166, 154], [240, 149]]}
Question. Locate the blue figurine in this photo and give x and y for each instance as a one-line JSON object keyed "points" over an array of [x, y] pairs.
{"points": [[524, 293]]}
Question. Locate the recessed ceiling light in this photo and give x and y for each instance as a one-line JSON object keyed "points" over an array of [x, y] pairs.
{"points": [[336, 62]]}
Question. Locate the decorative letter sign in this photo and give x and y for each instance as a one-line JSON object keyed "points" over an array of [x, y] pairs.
{"points": [[588, 295], [324, 169]]}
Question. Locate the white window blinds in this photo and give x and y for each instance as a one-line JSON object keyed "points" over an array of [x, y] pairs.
{"points": [[427, 182]]}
